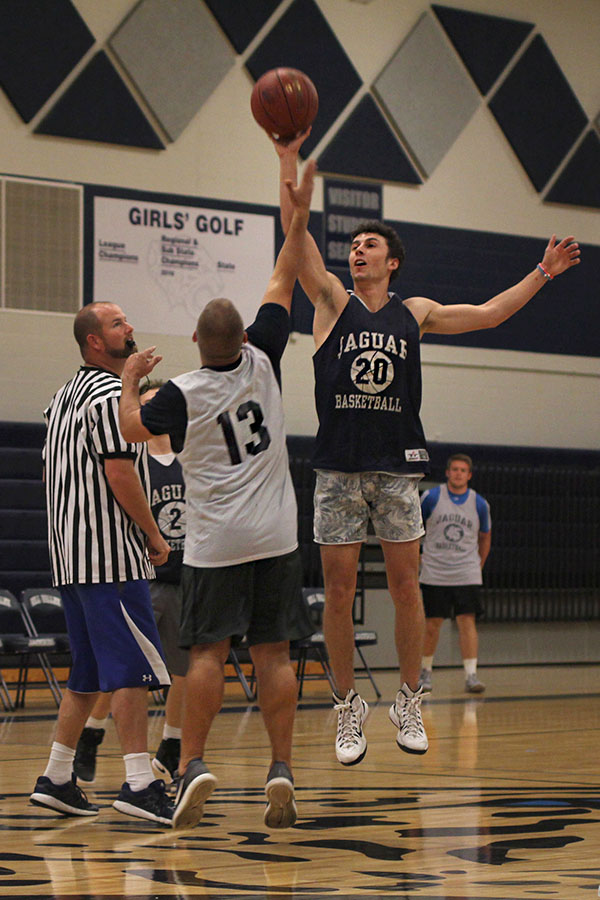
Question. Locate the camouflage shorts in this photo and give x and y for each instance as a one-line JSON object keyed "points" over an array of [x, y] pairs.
{"points": [[345, 501]]}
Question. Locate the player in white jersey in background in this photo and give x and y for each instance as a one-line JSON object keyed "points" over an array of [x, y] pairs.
{"points": [[458, 537], [242, 572]]}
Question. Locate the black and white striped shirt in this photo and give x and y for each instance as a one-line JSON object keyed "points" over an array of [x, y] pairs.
{"points": [[92, 539]]}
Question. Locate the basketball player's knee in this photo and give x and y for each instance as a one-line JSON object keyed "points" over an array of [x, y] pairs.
{"points": [[339, 598]]}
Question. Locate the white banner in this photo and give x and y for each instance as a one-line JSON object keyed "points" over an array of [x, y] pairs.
{"points": [[162, 263]]}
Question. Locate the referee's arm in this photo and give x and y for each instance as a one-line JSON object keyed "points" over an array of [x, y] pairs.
{"points": [[130, 495]]}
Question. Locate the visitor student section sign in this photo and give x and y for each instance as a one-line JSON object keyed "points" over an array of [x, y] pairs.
{"points": [[346, 205]]}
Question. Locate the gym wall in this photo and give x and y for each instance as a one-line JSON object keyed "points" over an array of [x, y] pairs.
{"points": [[484, 133]]}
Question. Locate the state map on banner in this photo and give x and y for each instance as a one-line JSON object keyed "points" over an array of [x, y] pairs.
{"points": [[162, 263]]}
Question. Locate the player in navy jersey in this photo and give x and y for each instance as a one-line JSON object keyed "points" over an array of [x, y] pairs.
{"points": [[370, 447], [458, 537], [242, 573], [167, 502]]}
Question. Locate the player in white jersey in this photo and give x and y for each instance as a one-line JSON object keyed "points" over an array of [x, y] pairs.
{"points": [[242, 573], [458, 537]]}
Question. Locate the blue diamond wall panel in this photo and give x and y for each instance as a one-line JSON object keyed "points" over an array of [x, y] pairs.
{"points": [[303, 39], [176, 54], [427, 93], [579, 182], [538, 112], [366, 147], [486, 44], [241, 29], [40, 43], [99, 107]]}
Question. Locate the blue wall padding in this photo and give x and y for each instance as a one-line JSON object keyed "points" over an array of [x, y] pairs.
{"points": [[241, 29], [486, 44], [538, 112], [365, 146], [40, 43], [579, 182], [99, 107], [302, 39]]}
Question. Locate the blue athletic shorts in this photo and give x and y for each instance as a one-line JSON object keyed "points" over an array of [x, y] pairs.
{"points": [[114, 638]]}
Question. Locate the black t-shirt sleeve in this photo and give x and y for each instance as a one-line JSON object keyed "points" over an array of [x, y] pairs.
{"points": [[166, 413], [270, 332]]}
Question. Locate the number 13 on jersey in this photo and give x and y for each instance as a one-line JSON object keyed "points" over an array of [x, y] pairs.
{"points": [[243, 431]]}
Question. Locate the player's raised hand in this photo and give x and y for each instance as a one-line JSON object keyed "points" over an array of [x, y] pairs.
{"points": [[291, 145], [301, 195], [139, 364], [561, 256]]}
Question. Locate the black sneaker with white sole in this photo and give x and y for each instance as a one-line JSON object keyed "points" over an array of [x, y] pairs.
{"points": [[281, 804], [194, 787], [166, 761], [67, 798], [151, 803], [84, 764]]}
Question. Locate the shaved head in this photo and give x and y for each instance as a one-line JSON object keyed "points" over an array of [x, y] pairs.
{"points": [[220, 332]]}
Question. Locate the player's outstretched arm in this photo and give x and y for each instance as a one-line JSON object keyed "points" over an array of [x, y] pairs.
{"points": [[130, 419], [316, 281], [291, 255], [456, 318]]}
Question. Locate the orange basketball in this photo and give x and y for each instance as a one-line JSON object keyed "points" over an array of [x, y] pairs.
{"points": [[284, 102]]}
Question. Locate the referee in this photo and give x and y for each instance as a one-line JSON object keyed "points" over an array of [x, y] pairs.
{"points": [[103, 541]]}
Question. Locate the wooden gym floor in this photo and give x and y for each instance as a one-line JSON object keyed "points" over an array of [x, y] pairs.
{"points": [[504, 805]]}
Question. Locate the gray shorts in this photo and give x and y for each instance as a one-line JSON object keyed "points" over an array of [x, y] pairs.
{"points": [[261, 599], [346, 501], [166, 604]]}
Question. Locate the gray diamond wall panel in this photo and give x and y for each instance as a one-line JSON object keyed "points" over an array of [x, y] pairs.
{"points": [[427, 93], [176, 54]]}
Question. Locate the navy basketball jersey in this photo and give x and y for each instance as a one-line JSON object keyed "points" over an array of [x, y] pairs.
{"points": [[167, 502], [368, 392]]}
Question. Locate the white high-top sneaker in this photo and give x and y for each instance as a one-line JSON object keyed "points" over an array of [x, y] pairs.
{"points": [[350, 742]]}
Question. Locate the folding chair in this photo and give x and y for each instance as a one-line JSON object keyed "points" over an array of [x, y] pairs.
{"points": [[18, 649], [314, 647], [45, 617]]}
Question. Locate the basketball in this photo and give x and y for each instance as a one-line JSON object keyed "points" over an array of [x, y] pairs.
{"points": [[284, 102]]}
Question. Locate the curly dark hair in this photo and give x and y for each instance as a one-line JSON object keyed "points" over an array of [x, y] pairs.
{"points": [[395, 245]]}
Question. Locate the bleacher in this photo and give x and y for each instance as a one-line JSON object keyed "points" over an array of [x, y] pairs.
{"points": [[545, 502]]}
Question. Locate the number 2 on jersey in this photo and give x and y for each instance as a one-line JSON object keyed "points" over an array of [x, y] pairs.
{"points": [[260, 434]]}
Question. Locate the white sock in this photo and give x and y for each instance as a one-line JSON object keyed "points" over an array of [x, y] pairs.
{"points": [[470, 666], [427, 663], [170, 732], [138, 772], [96, 723], [60, 764]]}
